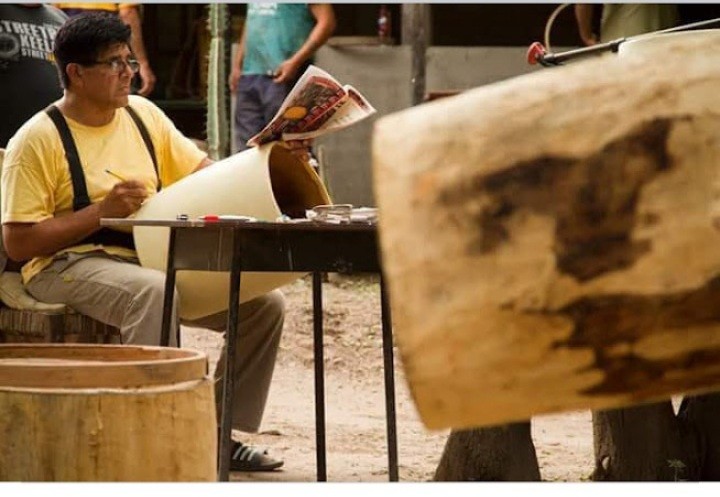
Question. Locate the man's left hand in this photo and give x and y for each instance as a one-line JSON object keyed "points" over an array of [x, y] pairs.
{"points": [[300, 148]]}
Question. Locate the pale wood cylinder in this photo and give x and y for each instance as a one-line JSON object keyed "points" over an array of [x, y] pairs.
{"points": [[548, 241], [261, 182], [106, 413]]}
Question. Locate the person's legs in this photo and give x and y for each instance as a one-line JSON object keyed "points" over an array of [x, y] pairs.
{"points": [[249, 117], [272, 95], [260, 325], [111, 290]]}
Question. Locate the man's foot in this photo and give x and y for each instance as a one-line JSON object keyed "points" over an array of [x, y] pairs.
{"points": [[248, 458]]}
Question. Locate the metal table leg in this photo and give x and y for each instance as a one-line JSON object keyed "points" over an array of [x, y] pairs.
{"points": [[319, 377], [388, 366], [169, 293], [225, 440]]}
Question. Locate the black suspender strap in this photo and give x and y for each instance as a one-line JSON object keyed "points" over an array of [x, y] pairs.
{"points": [[80, 194], [146, 138], [81, 199]]}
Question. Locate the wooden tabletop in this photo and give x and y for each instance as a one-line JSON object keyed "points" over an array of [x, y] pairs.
{"points": [[299, 225]]}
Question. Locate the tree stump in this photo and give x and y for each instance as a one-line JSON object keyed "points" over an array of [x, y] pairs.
{"points": [[652, 443], [497, 453], [106, 413]]}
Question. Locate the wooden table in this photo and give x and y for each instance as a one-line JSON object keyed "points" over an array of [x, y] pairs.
{"points": [[237, 246]]}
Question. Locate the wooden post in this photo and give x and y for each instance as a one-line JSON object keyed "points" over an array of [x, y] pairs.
{"points": [[416, 31]]}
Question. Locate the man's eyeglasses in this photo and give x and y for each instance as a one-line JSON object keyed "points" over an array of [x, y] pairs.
{"points": [[117, 65]]}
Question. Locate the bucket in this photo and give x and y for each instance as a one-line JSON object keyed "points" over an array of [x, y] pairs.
{"points": [[105, 413], [264, 183]]}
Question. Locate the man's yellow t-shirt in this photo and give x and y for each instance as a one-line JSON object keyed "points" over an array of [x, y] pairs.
{"points": [[110, 7], [36, 183]]}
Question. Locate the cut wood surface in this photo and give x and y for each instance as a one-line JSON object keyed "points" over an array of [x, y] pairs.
{"points": [[548, 241], [106, 366], [129, 427]]}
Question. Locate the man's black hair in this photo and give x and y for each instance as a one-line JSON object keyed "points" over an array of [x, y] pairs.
{"points": [[81, 39]]}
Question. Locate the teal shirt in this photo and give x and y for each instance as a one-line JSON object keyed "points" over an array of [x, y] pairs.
{"points": [[275, 31]]}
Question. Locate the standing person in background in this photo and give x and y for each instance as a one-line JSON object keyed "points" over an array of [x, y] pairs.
{"points": [[28, 78], [276, 47], [129, 14], [621, 20]]}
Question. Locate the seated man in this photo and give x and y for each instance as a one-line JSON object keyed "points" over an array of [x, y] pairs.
{"points": [[51, 208]]}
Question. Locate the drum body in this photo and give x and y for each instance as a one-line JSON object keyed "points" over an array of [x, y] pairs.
{"points": [[263, 183], [106, 413]]}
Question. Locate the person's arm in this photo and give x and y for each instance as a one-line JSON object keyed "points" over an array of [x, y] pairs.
{"points": [[324, 26], [131, 17], [203, 164], [23, 241], [236, 69], [583, 16]]}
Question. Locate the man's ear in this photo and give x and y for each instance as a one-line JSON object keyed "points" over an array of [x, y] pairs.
{"points": [[74, 73]]}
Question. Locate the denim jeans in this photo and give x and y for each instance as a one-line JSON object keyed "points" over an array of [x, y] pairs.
{"points": [[257, 101]]}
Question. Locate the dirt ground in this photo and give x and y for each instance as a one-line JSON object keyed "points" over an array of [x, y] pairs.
{"points": [[355, 405]]}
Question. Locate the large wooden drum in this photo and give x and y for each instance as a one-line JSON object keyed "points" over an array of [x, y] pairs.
{"points": [[548, 240], [105, 413]]}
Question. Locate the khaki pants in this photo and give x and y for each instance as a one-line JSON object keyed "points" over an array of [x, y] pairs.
{"points": [[121, 293]]}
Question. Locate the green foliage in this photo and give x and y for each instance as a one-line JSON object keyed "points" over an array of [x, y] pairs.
{"points": [[218, 128]]}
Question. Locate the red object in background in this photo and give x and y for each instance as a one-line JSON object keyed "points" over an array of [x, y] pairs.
{"points": [[535, 51], [384, 24]]}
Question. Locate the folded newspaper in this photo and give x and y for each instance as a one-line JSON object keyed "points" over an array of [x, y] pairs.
{"points": [[316, 105]]}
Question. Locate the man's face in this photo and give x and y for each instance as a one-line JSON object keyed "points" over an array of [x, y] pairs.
{"points": [[107, 82]]}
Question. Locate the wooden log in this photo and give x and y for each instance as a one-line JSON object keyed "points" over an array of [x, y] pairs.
{"points": [[497, 453], [105, 413], [548, 240]]}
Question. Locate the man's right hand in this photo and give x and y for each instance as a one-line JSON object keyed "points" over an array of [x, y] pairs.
{"points": [[234, 79], [124, 199]]}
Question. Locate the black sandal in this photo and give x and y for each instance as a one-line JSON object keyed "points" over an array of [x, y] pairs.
{"points": [[248, 458]]}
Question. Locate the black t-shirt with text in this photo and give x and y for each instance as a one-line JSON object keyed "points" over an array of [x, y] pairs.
{"points": [[29, 81]]}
